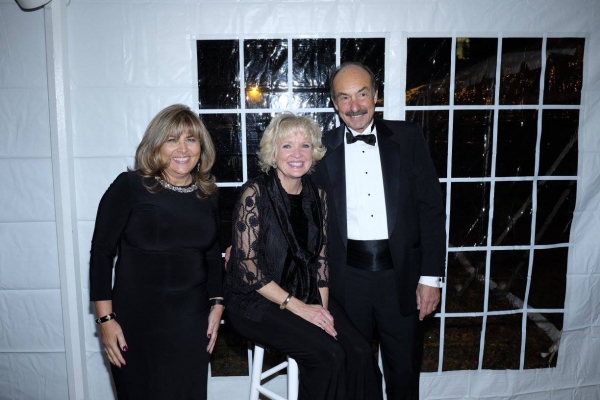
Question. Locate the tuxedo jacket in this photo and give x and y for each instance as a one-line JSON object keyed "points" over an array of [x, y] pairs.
{"points": [[414, 206]]}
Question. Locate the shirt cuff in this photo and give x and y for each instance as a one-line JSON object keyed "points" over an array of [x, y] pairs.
{"points": [[434, 281]]}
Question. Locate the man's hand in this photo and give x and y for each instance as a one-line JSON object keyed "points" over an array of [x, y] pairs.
{"points": [[428, 298]]}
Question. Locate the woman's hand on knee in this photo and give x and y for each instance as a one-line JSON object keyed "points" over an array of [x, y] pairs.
{"points": [[315, 314]]}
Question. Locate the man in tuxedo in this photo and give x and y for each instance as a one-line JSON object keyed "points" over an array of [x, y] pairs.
{"points": [[386, 229]]}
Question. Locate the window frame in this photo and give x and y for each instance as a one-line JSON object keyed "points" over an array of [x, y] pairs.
{"points": [[448, 180], [395, 108]]}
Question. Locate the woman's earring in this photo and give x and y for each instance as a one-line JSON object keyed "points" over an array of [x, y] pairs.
{"points": [[198, 167]]}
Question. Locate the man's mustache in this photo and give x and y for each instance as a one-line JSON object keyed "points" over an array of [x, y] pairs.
{"points": [[355, 113]]}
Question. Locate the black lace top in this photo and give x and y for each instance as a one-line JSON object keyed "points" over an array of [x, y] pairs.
{"points": [[276, 237]]}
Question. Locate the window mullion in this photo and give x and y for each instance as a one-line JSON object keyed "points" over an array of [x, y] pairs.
{"points": [[243, 110], [448, 193], [290, 75]]}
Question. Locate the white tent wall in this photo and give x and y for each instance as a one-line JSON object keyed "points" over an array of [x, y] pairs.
{"points": [[128, 59], [32, 350]]}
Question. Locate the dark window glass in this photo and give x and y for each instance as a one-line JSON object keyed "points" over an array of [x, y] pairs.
{"points": [[255, 127], [226, 134], [475, 70], [555, 205], [564, 70], [558, 145], [325, 120], [230, 355], [465, 281], [227, 198], [313, 60], [549, 282], [542, 339], [444, 193], [218, 74], [511, 224], [435, 129], [370, 52], [520, 71], [265, 71], [508, 273], [472, 143], [431, 345], [502, 342], [428, 71], [548, 279], [517, 135], [461, 343], [469, 213]]}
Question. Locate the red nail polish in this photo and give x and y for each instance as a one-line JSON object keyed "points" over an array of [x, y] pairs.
{"points": [[125, 348], [209, 335]]}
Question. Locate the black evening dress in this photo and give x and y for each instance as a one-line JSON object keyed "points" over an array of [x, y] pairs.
{"points": [[168, 266]]}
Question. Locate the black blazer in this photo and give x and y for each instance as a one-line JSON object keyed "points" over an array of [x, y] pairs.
{"points": [[415, 210]]}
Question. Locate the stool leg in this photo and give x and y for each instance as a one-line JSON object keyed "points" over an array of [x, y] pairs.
{"points": [[380, 363], [249, 355], [292, 376], [257, 362]]}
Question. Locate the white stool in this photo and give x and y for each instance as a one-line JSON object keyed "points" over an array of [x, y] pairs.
{"points": [[257, 376], [380, 364]]}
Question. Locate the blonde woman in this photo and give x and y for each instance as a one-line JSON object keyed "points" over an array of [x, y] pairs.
{"points": [[277, 274]]}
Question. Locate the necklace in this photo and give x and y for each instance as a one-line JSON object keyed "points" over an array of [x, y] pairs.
{"points": [[178, 189]]}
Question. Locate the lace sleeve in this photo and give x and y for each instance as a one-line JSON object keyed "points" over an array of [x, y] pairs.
{"points": [[323, 271], [244, 274]]}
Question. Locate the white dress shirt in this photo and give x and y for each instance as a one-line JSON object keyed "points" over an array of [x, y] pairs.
{"points": [[365, 197]]}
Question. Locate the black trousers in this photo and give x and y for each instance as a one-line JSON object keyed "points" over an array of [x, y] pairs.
{"points": [[330, 369], [371, 302]]}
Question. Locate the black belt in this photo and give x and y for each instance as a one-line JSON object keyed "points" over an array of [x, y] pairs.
{"points": [[370, 255]]}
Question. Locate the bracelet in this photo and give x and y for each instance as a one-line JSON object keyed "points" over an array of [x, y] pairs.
{"points": [[214, 302], [106, 318], [283, 305]]}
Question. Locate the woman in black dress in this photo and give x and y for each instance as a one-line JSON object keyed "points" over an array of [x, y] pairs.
{"points": [[277, 274], [159, 320]]}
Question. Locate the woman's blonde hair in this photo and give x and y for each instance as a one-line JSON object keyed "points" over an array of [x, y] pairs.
{"points": [[282, 127], [175, 121]]}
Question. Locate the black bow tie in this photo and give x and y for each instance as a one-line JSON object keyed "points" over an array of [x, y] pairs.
{"points": [[368, 139]]}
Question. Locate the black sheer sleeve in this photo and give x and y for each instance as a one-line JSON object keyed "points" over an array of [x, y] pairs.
{"points": [[112, 216], [245, 273], [323, 271]]}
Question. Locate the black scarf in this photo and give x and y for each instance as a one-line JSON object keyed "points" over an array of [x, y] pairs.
{"points": [[299, 275]]}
